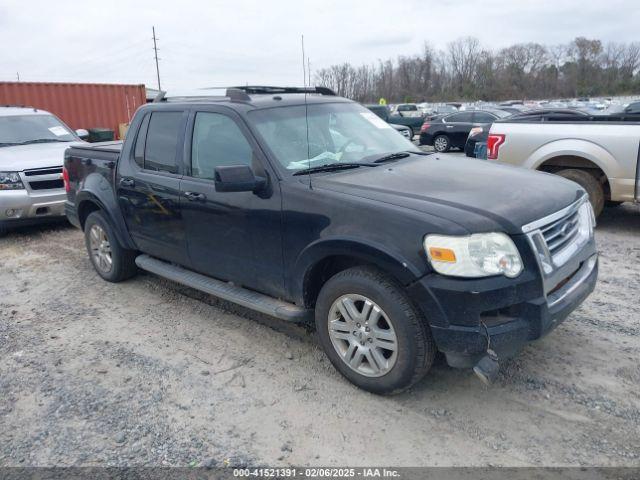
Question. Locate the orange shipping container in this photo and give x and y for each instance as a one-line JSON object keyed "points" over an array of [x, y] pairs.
{"points": [[79, 105]]}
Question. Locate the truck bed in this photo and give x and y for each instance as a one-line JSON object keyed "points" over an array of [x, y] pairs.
{"points": [[90, 162], [111, 146]]}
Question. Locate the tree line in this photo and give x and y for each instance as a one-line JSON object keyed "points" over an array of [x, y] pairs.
{"points": [[465, 70]]}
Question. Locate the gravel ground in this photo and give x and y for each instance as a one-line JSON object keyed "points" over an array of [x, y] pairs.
{"points": [[146, 372]]}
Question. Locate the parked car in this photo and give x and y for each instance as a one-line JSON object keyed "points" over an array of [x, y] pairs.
{"points": [[600, 153], [633, 108], [32, 144], [383, 111], [451, 131], [480, 133], [508, 110], [395, 253], [408, 110], [477, 135], [441, 110]]}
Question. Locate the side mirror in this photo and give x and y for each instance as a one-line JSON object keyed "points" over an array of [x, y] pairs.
{"points": [[82, 133], [237, 178]]}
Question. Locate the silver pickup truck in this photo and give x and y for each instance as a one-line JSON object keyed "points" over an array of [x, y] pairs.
{"points": [[601, 153], [32, 145]]}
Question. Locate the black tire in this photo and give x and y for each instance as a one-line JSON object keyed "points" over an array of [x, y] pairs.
{"points": [[415, 346], [3, 230], [411, 134], [590, 184], [123, 264], [443, 144], [612, 204]]}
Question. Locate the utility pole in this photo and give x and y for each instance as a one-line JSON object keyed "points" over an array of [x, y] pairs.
{"points": [[309, 71], [18, 75], [155, 50]]}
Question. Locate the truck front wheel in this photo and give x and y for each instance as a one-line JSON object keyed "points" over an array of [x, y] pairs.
{"points": [[590, 184], [112, 262], [371, 332]]}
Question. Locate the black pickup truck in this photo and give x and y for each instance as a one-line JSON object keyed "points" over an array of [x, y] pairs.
{"points": [[300, 204]]}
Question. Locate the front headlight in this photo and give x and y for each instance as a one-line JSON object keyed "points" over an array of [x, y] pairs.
{"points": [[587, 220], [477, 255], [10, 181]]}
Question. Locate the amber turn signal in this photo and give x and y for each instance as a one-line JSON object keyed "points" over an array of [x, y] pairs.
{"points": [[442, 254]]}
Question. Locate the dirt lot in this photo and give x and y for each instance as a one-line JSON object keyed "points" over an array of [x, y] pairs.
{"points": [[149, 373]]}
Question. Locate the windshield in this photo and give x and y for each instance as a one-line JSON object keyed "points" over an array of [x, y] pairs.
{"points": [[25, 129], [338, 133]]}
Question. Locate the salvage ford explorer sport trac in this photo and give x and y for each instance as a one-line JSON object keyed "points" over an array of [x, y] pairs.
{"points": [[302, 205]]}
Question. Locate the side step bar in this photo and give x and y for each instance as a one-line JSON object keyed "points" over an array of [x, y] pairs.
{"points": [[227, 291]]}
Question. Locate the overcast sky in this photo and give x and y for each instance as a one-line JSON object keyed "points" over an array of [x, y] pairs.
{"points": [[215, 43]]}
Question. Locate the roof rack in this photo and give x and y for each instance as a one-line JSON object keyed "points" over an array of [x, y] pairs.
{"points": [[242, 93], [17, 106]]}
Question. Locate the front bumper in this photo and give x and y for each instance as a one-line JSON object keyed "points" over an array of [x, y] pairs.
{"points": [[22, 206], [514, 312]]}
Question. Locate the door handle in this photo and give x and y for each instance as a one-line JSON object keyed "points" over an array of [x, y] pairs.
{"points": [[195, 197], [127, 182], [449, 126]]}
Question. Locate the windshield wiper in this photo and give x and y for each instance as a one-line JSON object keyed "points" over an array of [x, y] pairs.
{"points": [[331, 167], [8, 144], [42, 140], [399, 155], [391, 156]]}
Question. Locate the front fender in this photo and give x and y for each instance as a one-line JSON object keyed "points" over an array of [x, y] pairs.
{"points": [[99, 191], [574, 148], [368, 252]]}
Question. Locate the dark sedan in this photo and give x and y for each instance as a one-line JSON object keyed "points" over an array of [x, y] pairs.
{"points": [[479, 133], [451, 131]]}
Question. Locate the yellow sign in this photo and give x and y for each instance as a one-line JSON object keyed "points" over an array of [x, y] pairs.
{"points": [[382, 101]]}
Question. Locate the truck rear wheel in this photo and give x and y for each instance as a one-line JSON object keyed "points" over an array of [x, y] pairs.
{"points": [[112, 262], [590, 184], [371, 332], [3, 230]]}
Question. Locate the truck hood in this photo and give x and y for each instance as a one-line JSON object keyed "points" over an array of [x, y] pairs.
{"points": [[23, 157], [478, 195]]}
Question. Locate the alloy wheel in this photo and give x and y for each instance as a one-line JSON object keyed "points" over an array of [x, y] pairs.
{"points": [[100, 248], [440, 144], [362, 335]]}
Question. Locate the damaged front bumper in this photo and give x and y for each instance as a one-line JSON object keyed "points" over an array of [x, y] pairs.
{"points": [[462, 313]]}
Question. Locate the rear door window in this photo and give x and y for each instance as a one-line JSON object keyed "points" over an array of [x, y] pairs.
{"points": [[465, 117], [161, 145], [138, 150], [483, 117]]}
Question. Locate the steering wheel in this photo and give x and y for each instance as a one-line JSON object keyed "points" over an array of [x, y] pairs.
{"points": [[343, 148]]}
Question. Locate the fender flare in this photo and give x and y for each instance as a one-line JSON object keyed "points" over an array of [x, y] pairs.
{"points": [[573, 147], [99, 191], [368, 252]]}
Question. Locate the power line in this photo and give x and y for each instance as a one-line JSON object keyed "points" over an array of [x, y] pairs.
{"points": [[155, 50]]}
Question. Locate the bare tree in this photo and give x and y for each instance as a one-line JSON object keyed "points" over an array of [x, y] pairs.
{"points": [[466, 70]]}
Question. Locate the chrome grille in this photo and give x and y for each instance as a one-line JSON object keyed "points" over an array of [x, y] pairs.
{"points": [[560, 233], [42, 171], [48, 178], [557, 237]]}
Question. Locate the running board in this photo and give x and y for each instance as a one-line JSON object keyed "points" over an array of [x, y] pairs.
{"points": [[226, 291]]}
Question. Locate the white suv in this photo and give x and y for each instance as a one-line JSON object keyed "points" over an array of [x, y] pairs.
{"points": [[32, 145]]}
